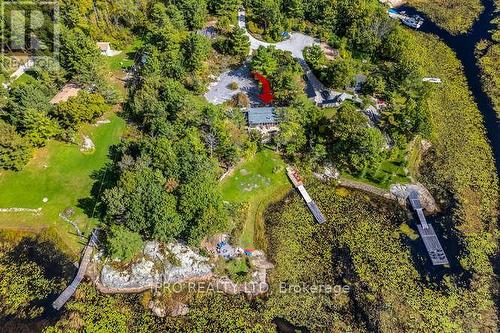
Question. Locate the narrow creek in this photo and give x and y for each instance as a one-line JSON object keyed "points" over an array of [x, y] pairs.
{"points": [[464, 46]]}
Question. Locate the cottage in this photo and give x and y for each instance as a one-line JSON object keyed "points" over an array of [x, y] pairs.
{"points": [[335, 99], [263, 119]]}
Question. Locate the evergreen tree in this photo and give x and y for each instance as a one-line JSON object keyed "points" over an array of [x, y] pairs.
{"points": [[240, 44], [15, 151]]}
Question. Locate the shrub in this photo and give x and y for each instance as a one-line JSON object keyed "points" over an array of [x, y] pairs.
{"points": [[241, 100], [15, 150], [233, 85], [253, 28], [82, 108], [238, 270], [123, 243]]}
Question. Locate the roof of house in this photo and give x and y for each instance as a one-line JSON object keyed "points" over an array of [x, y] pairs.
{"points": [[69, 90], [263, 115]]}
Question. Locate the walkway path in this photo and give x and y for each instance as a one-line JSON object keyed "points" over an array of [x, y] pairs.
{"points": [[70, 290], [297, 182], [22, 69]]}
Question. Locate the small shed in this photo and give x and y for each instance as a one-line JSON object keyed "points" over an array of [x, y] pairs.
{"points": [[264, 120]]}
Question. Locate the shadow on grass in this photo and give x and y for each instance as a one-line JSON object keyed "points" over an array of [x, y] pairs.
{"points": [[104, 178]]}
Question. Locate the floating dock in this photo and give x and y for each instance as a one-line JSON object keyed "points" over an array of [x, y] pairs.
{"points": [[426, 231], [297, 182]]}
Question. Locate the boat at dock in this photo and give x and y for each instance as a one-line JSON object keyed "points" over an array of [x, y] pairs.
{"points": [[413, 21]]}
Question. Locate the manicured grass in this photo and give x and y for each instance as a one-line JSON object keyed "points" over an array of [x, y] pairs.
{"points": [[63, 175], [126, 58], [258, 182]]}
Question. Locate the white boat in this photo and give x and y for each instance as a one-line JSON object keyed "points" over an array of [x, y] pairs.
{"points": [[432, 79], [414, 21]]}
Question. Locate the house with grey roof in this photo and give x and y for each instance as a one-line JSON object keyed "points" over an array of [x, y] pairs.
{"points": [[263, 119]]}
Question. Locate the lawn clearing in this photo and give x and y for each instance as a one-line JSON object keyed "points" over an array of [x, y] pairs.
{"points": [[258, 182], [393, 170], [62, 174], [118, 64]]}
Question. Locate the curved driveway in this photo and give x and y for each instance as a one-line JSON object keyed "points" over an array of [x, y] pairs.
{"points": [[295, 45]]}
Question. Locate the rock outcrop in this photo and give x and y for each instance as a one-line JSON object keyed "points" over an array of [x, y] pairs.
{"points": [[256, 286], [87, 144], [401, 191], [174, 263], [171, 264]]}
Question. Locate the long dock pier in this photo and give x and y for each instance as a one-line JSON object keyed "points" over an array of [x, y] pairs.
{"points": [[70, 290], [426, 231], [297, 182]]}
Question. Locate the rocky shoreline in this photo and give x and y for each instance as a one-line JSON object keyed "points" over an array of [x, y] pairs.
{"points": [[173, 265]]}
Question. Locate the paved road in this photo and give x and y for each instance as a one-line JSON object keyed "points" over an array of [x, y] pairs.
{"points": [[295, 44], [219, 91]]}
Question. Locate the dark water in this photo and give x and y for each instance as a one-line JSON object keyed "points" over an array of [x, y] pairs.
{"points": [[284, 326], [431, 275], [464, 45]]}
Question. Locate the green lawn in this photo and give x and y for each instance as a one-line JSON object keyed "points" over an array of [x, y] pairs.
{"points": [[392, 170], [126, 58], [62, 174], [258, 181], [26, 77]]}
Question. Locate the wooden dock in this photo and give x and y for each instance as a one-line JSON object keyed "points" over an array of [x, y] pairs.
{"points": [[297, 182], [70, 290], [426, 231]]}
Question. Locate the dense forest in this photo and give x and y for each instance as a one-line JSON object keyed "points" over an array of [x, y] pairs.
{"points": [[162, 179]]}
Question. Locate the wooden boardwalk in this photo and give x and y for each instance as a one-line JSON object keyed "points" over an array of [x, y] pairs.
{"points": [[70, 290], [297, 182]]}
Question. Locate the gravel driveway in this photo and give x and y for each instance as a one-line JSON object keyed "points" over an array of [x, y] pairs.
{"points": [[219, 91]]}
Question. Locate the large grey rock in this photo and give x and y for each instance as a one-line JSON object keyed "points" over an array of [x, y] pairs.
{"points": [[190, 264], [402, 191], [156, 268]]}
